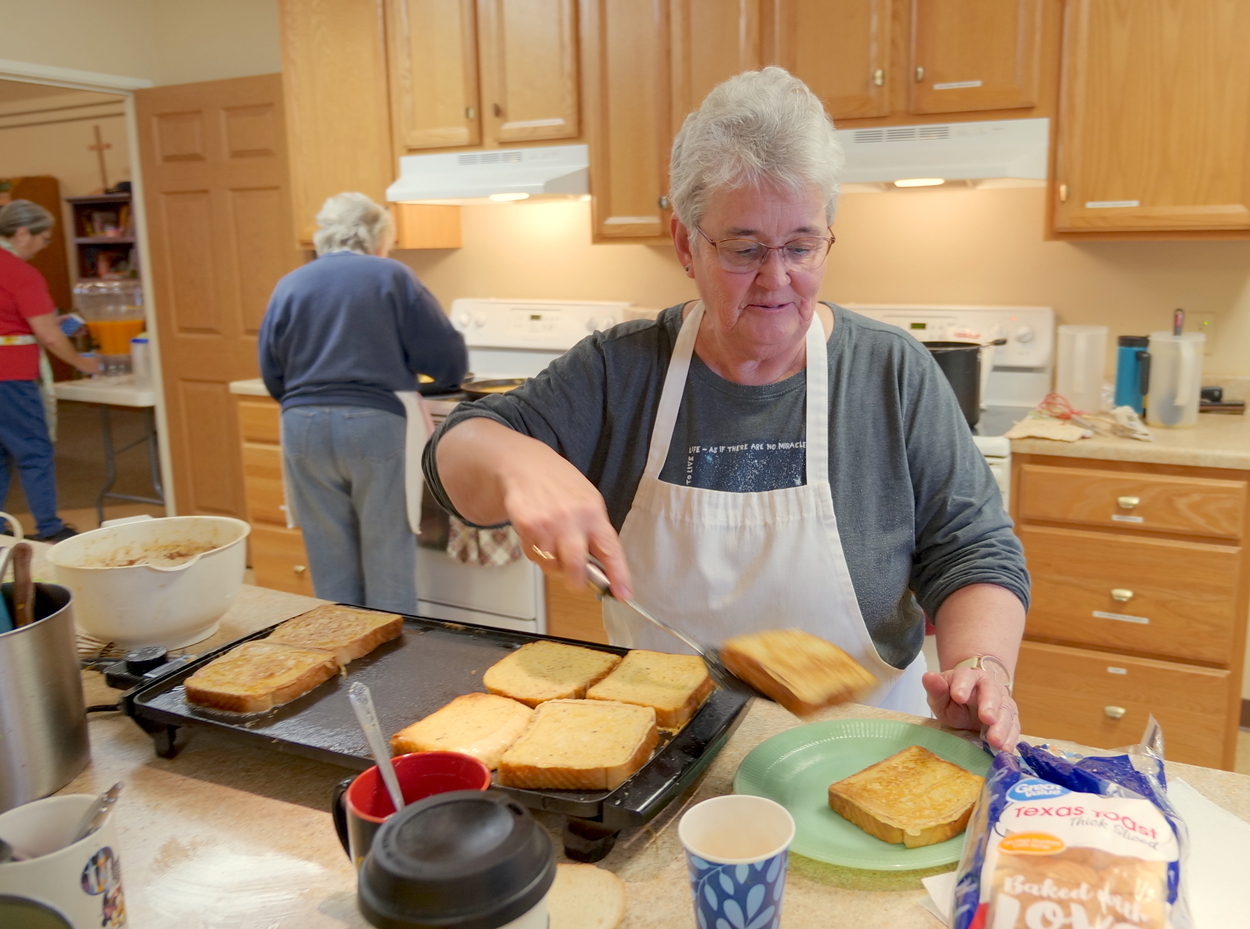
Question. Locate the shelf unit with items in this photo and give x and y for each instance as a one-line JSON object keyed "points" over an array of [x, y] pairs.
{"points": [[278, 558], [104, 236], [1139, 602]]}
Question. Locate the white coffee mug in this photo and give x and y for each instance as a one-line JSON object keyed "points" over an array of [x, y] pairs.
{"points": [[14, 528], [81, 882]]}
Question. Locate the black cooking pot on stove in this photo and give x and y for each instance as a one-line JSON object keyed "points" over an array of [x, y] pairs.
{"points": [[961, 363]]}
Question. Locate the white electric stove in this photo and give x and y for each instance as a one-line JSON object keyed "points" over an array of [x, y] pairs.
{"points": [[1014, 377], [505, 338]]}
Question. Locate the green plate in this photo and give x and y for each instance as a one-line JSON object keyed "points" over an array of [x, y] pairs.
{"points": [[796, 767]]}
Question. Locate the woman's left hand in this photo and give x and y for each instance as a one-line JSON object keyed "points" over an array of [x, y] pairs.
{"points": [[968, 698]]}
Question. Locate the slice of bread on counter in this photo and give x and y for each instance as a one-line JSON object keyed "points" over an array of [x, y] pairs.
{"points": [[800, 671], [257, 676], [481, 725], [672, 685], [585, 897], [543, 670], [347, 632], [580, 745], [912, 798]]}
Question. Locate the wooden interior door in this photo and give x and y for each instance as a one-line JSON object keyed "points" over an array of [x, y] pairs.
{"points": [[432, 59], [218, 212], [839, 48], [975, 55], [1154, 125], [528, 58], [625, 55]]}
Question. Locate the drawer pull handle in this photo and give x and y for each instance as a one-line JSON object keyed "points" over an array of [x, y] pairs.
{"points": [[299, 568], [1127, 503], [1115, 712], [1121, 595]]}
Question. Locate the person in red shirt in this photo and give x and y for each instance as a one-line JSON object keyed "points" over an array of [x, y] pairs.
{"points": [[28, 321]]}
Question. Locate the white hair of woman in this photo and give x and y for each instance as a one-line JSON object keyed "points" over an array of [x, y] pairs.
{"points": [[22, 214], [756, 128], [351, 222]]}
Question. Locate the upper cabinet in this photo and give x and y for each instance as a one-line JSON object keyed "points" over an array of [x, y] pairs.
{"points": [[493, 72], [334, 87], [972, 55], [1155, 105]]}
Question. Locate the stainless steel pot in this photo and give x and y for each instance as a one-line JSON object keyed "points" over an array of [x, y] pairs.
{"points": [[42, 717]]}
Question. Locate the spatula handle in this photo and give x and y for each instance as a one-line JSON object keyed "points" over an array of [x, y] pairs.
{"points": [[23, 586]]}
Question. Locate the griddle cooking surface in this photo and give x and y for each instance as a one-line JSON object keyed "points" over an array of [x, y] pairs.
{"points": [[411, 677]]}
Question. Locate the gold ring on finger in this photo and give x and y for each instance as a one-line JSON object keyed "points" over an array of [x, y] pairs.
{"points": [[545, 556]]}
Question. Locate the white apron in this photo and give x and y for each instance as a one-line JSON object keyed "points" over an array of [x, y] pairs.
{"points": [[717, 564]]}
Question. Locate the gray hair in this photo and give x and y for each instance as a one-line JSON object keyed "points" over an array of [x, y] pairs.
{"points": [[22, 214], [351, 222], [755, 128]]}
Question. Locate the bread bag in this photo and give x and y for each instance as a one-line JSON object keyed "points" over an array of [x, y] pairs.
{"points": [[1065, 840]]}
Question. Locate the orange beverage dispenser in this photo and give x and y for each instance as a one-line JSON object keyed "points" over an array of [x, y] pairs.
{"points": [[113, 310]]}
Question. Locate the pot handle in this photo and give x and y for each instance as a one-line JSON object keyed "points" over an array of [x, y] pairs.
{"points": [[174, 569], [338, 809]]}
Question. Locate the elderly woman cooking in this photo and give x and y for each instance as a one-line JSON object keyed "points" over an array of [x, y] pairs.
{"points": [[756, 459]]}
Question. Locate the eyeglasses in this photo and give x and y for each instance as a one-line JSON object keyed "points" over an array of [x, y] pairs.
{"points": [[741, 255]]}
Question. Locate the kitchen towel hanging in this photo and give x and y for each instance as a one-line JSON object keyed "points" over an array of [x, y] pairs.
{"points": [[487, 548]]}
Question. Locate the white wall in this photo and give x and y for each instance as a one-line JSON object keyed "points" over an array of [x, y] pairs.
{"points": [[165, 41]]}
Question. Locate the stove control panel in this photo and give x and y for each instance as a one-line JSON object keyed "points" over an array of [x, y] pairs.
{"points": [[544, 325], [1029, 330]]}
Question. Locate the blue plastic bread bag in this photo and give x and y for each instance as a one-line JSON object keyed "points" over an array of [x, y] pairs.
{"points": [[1066, 841]]}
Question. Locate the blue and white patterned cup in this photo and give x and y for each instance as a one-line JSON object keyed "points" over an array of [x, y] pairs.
{"points": [[736, 851]]}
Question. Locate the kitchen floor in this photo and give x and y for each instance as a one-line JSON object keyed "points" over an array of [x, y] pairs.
{"points": [[80, 471], [1243, 736]]}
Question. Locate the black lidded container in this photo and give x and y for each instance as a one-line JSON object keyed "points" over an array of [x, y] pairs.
{"points": [[467, 859], [961, 363]]}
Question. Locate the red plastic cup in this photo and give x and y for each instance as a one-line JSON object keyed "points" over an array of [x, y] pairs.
{"points": [[361, 804]]}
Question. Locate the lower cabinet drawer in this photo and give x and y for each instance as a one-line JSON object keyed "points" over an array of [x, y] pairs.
{"points": [[279, 560], [262, 483], [1133, 594], [1103, 700]]}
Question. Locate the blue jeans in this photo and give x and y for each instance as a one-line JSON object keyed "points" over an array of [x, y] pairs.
{"points": [[345, 470], [24, 439]]}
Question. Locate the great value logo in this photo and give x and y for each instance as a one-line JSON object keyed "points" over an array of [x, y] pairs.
{"points": [[1032, 788]]}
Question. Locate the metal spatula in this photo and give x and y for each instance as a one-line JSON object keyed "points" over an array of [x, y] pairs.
{"points": [[724, 678]]}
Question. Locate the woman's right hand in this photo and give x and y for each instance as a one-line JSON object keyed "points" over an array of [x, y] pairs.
{"points": [[88, 364], [494, 474]]}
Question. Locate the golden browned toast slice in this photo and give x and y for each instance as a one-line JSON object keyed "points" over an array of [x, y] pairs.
{"points": [[913, 797], [672, 685], [481, 725], [580, 745], [347, 632], [540, 671], [800, 671], [257, 676]]}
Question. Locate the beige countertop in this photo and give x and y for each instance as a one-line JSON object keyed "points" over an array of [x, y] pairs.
{"points": [[254, 387], [1219, 440], [231, 835]]}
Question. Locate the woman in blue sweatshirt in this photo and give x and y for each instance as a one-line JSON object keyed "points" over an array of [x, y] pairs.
{"points": [[342, 334]]}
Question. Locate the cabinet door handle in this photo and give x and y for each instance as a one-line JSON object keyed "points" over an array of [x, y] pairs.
{"points": [[919, 74], [878, 77], [1121, 594], [299, 568], [470, 113], [1127, 503], [498, 110], [1114, 712], [663, 202], [1063, 193]]}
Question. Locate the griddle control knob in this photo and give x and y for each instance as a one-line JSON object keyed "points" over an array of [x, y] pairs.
{"points": [[142, 660]]}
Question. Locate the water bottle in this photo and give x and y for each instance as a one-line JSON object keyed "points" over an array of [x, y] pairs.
{"points": [[141, 361]]}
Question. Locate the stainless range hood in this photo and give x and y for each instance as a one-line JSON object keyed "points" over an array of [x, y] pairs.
{"points": [[1000, 153], [494, 175]]}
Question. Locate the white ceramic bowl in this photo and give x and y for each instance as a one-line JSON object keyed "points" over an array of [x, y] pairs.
{"points": [[146, 581]]}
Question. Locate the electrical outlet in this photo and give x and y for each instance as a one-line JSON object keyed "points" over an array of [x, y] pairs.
{"points": [[1205, 323]]}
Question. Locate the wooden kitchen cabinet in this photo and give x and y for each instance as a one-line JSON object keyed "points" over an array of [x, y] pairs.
{"points": [[1139, 606], [493, 72], [277, 553], [574, 615], [1154, 105]]}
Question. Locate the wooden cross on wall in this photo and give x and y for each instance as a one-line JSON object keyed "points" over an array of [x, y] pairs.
{"points": [[98, 148]]}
